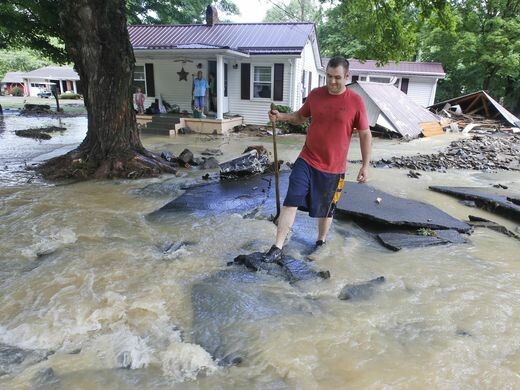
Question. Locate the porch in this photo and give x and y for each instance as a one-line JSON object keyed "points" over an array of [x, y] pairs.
{"points": [[170, 124]]}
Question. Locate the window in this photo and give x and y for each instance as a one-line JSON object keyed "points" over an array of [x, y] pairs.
{"points": [[139, 78], [262, 82], [374, 79]]}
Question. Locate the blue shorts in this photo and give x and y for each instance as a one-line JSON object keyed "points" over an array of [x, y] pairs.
{"points": [[313, 191], [198, 101]]}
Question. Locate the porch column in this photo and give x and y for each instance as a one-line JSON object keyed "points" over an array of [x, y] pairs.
{"points": [[220, 86]]}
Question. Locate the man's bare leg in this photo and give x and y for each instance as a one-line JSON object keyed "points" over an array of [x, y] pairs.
{"points": [[323, 228], [285, 222]]}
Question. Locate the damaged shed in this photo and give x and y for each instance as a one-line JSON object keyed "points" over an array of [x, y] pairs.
{"points": [[390, 110], [477, 104]]}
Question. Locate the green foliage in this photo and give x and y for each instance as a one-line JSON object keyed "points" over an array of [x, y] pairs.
{"points": [[377, 29], [174, 12], [22, 60], [475, 40], [426, 232], [295, 11], [15, 91], [290, 127], [482, 52], [33, 24]]}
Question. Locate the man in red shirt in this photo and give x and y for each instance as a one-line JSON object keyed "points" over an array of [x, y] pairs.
{"points": [[317, 177]]}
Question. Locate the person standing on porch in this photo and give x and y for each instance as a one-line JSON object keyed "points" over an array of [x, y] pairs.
{"points": [[139, 101], [200, 86], [212, 88], [316, 181]]}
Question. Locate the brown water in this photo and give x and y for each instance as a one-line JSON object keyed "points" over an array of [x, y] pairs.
{"points": [[84, 273]]}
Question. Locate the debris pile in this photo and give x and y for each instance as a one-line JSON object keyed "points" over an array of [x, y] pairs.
{"points": [[187, 159], [476, 112], [254, 160], [40, 133], [480, 152]]}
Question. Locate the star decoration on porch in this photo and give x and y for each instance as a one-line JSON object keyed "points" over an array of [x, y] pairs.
{"points": [[183, 75]]}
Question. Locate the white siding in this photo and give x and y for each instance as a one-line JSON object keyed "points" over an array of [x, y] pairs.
{"points": [[420, 90], [254, 111], [168, 85], [308, 65]]}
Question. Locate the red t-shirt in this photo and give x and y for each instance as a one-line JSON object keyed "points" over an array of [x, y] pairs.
{"points": [[334, 117]]}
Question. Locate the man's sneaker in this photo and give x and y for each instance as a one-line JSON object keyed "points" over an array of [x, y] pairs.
{"points": [[202, 115], [272, 255], [319, 243]]}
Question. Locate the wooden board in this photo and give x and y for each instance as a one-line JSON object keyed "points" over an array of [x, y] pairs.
{"points": [[431, 128]]}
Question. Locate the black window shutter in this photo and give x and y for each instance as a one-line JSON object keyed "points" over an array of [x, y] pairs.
{"points": [[150, 80], [355, 78], [278, 82], [404, 85], [310, 83], [245, 84]]}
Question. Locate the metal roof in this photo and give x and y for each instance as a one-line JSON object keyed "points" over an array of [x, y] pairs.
{"points": [[53, 73], [252, 38], [13, 77], [395, 68], [398, 110]]}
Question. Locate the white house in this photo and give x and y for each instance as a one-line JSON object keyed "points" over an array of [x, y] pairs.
{"points": [[65, 78], [254, 63], [416, 79]]}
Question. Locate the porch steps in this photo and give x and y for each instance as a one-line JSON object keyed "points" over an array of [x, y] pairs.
{"points": [[161, 124]]}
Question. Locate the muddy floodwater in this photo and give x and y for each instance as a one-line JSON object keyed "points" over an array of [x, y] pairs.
{"points": [[95, 294]]}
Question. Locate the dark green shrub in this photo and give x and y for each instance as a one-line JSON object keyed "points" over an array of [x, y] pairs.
{"points": [[69, 96], [290, 127], [16, 91]]}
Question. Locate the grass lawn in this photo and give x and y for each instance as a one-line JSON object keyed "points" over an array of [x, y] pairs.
{"points": [[15, 103]]}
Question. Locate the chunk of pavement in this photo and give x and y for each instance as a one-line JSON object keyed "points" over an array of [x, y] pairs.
{"points": [[396, 241], [210, 163], [234, 306], [360, 291], [493, 200], [186, 156], [486, 223], [359, 201], [13, 358], [228, 196], [287, 268]]}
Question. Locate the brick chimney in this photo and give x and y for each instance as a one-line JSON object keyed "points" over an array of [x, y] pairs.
{"points": [[211, 15]]}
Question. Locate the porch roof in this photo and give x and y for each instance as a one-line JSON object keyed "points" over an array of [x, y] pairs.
{"points": [[249, 38]]}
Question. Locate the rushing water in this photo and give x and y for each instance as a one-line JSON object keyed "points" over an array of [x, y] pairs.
{"points": [[85, 273]]}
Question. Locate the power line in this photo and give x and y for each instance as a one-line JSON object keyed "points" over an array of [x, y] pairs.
{"points": [[284, 10]]}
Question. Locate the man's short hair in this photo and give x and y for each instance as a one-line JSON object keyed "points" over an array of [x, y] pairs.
{"points": [[336, 61]]}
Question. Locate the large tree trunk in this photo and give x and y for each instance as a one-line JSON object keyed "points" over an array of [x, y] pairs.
{"points": [[96, 39]]}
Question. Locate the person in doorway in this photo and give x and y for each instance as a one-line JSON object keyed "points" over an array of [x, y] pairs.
{"points": [[212, 88], [139, 101], [200, 86], [317, 178]]}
